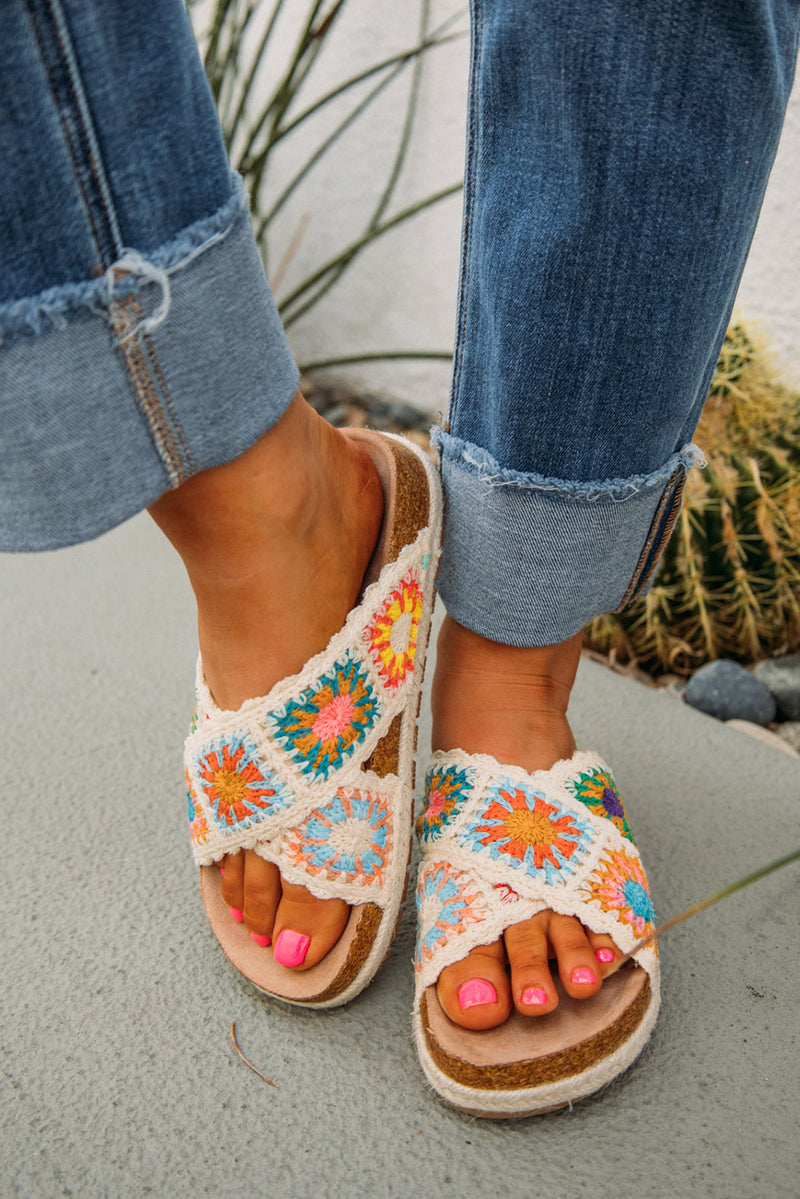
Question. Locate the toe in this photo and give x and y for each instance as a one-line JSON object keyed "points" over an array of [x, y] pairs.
{"points": [[527, 946], [475, 992], [262, 893], [232, 871], [605, 951], [578, 968], [306, 928]]}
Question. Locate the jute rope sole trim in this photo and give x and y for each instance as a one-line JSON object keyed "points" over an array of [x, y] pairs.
{"points": [[536, 1072], [519, 1103]]}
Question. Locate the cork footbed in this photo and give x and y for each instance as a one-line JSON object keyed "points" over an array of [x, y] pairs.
{"points": [[528, 1052], [406, 511]]}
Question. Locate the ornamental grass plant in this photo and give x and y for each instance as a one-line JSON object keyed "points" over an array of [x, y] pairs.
{"points": [[266, 100]]}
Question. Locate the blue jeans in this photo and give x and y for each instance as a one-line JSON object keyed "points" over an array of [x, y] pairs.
{"points": [[617, 157]]}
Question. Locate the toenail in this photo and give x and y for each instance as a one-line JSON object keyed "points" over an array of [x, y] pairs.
{"points": [[260, 939], [605, 955], [222, 872], [290, 948], [237, 914], [534, 996], [582, 976], [476, 991]]}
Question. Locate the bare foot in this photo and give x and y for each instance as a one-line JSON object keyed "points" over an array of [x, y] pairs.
{"points": [[522, 721], [276, 545]]}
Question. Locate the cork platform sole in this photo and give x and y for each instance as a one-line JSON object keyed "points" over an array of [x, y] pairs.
{"points": [[533, 1065]]}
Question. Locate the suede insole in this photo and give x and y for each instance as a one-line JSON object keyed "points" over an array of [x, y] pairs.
{"points": [[325, 980]]}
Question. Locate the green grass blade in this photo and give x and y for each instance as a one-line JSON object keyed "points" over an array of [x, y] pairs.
{"points": [[386, 355], [702, 904], [403, 56], [314, 158], [355, 247], [246, 91]]}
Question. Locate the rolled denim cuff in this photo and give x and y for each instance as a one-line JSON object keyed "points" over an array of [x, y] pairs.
{"points": [[116, 389], [529, 560]]}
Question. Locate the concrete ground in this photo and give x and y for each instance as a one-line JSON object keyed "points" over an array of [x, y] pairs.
{"points": [[118, 1074]]}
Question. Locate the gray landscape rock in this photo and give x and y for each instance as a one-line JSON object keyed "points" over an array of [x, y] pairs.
{"points": [[790, 733], [407, 416], [782, 677], [729, 692], [338, 415], [765, 735]]}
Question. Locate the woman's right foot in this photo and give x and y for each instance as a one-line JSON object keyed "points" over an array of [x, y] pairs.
{"points": [[521, 720], [276, 545]]}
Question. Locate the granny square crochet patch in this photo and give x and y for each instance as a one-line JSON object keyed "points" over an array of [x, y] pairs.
{"points": [[329, 720]]}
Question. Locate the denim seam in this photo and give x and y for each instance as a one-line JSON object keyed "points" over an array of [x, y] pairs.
{"points": [[478, 461], [126, 267], [657, 538], [108, 243], [469, 191], [169, 406], [145, 390]]}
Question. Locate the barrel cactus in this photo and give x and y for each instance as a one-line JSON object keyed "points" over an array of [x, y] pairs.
{"points": [[729, 582]]}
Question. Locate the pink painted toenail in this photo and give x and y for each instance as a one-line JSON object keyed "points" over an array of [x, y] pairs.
{"points": [[534, 996], [237, 914], [476, 991], [222, 872], [582, 976], [260, 939], [290, 948], [605, 955]]}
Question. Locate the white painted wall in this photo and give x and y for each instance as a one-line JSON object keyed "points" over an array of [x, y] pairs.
{"points": [[401, 293], [769, 295]]}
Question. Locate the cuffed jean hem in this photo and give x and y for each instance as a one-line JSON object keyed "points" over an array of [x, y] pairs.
{"points": [[528, 561], [115, 390]]}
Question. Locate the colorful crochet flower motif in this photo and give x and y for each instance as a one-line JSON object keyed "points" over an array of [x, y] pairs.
{"points": [[331, 717], [445, 906], [240, 790], [619, 884], [521, 829], [197, 821], [393, 633], [598, 791], [348, 839], [447, 789]]}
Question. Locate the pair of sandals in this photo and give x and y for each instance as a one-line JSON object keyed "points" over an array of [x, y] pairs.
{"points": [[317, 777]]}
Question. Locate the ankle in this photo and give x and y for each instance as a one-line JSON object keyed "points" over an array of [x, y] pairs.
{"points": [[276, 545], [275, 485], [502, 700]]}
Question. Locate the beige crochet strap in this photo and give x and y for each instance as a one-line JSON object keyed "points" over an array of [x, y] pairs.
{"points": [[286, 774], [499, 845]]}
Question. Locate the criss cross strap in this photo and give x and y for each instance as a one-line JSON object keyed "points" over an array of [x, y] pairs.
{"points": [[499, 845], [300, 775]]}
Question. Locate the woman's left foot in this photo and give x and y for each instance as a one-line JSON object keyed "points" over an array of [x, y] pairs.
{"points": [[521, 720]]}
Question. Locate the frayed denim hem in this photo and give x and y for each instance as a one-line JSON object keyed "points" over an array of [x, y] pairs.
{"points": [[177, 363], [133, 271], [616, 490], [529, 560]]}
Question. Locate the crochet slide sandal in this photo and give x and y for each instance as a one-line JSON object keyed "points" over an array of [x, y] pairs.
{"points": [[498, 846], [317, 776]]}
